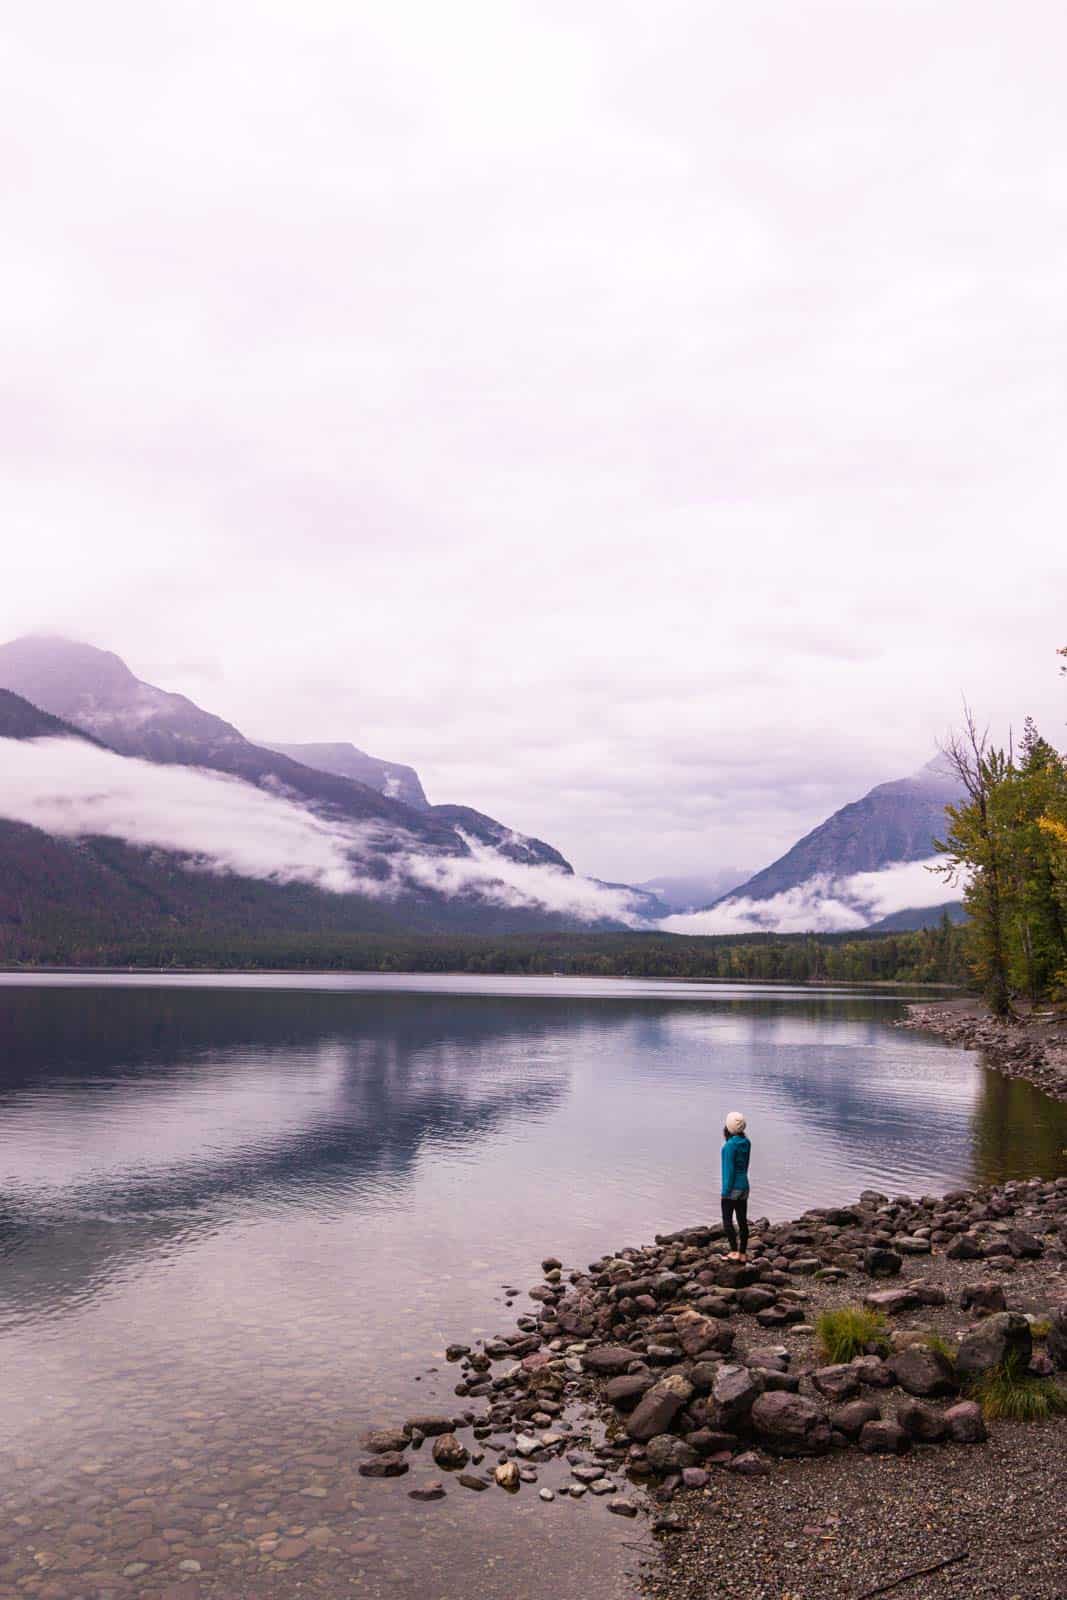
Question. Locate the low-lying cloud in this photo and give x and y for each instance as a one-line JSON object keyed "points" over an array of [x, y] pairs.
{"points": [[825, 904], [221, 824]]}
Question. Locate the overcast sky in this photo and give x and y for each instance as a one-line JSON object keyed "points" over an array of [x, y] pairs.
{"points": [[645, 419]]}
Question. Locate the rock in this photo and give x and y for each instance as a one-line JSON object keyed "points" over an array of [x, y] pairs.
{"points": [[602, 1486], [884, 1439], [456, 1352], [1056, 1344], [964, 1248], [924, 1424], [527, 1445], [507, 1475], [609, 1360], [386, 1441], [873, 1370], [470, 1481], [434, 1490], [546, 1494], [625, 1392], [891, 1301], [911, 1246], [837, 1383], [755, 1299], [1003, 1335], [879, 1262], [665, 1453], [450, 1452], [983, 1297], [622, 1507], [790, 1425], [696, 1333], [657, 1409], [695, 1478], [389, 1464], [711, 1441], [733, 1392], [749, 1465], [851, 1419], [1023, 1246], [429, 1427], [965, 1424], [923, 1371]]}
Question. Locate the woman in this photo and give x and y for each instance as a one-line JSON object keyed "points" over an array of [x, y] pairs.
{"points": [[735, 1153]]}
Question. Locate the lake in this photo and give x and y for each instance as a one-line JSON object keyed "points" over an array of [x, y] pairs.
{"points": [[242, 1216]]}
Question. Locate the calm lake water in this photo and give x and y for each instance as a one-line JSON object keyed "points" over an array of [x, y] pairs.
{"points": [[240, 1218]]}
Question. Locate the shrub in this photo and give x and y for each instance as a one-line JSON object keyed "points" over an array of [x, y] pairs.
{"points": [[846, 1333], [1009, 1391]]}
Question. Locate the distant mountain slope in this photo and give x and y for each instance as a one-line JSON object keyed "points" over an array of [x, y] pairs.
{"points": [[21, 720], [696, 889], [390, 778], [97, 692], [894, 822], [915, 917]]}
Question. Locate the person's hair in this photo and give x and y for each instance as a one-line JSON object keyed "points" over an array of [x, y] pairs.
{"points": [[726, 1133]]}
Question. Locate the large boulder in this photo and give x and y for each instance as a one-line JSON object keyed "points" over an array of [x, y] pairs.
{"points": [[734, 1391], [1002, 1337], [965, 1423], [923, 1371], [790, 1424], [924, 1424], [657, 1409]]}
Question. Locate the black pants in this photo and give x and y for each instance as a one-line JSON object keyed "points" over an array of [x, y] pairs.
{"points": [[737, 1206]]}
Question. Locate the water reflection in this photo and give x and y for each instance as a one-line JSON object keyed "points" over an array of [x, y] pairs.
{"points": [[267, 1206]]}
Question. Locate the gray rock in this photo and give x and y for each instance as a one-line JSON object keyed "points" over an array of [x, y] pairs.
{"points": [[1056, 1345], [450, 1452], [851, 1419], [923, 1371], [984, 1297], [470, 1481], [622, 1507], [733, 1393], [924, 1424], [884, 1439], [698, 1334], [657, 1409], [608, 1360], [965, 1423], [879, 1262], [837, 1383], [433, 1490], [666, 1453], [429, 1427], [625, 1392], [386, 1465], [790, 1425], [385, 1441], [873, 1370], [1004, 1335], [1024, 1246], [891, 1301], [749, 1465]]}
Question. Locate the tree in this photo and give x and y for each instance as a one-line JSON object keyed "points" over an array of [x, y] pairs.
{"points": [[977, 855]]}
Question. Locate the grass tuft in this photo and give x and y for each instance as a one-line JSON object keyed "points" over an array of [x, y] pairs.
{"points": [[1010, 1392], [936, 1341], [846, 1333]]}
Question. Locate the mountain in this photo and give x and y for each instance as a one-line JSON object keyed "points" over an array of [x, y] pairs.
{"points": [[689, 893], [96, 691], [893, 822], [21, 720], [914, 917], [390, 778]]}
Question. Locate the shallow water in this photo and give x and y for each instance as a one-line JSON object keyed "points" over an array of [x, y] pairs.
{"points": [[240, 1218]]}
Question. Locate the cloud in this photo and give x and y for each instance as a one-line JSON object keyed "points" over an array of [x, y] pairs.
{"points": [[221, 824], [825, 904]]}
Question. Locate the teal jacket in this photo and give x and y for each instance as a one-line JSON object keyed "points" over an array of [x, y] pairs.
{"points": [[735, 1153]]}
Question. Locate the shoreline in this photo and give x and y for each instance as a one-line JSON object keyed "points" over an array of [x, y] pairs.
{"points": [[721, 1421], [1033, 1047]]}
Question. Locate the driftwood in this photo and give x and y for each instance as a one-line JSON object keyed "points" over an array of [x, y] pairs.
{"points": [[913, 1572]]}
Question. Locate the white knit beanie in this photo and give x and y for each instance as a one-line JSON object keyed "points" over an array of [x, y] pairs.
{"points": [[735, 1122]]}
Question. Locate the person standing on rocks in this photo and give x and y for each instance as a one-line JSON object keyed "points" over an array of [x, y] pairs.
{"points": [[736, 1151]]}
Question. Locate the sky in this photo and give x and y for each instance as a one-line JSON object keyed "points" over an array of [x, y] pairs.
{"points": [[646, 421]]}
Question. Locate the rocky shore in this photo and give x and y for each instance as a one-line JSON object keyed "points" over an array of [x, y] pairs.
{"points": [[763, 1467], [1033, 1046]]}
